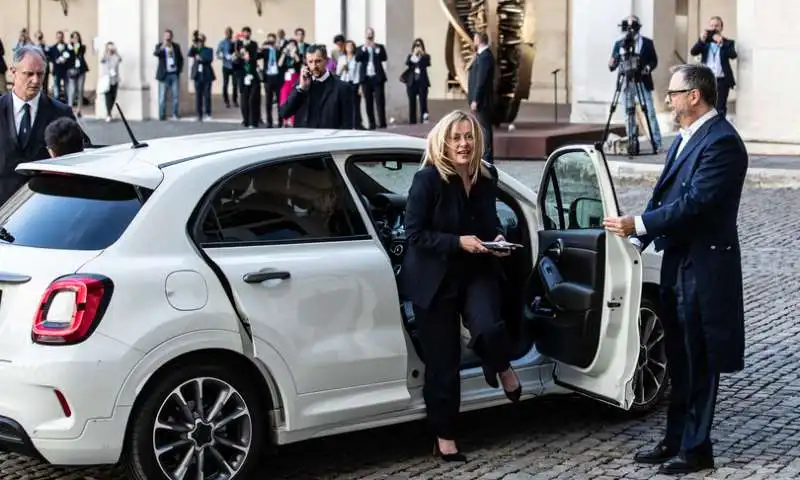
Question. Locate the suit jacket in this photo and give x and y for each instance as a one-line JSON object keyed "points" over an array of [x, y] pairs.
{"points": [[433, 229], [11, 152], [692, 216], [727, 52], [647, 57], [333, 108], [203, 56], [161, 71], [3, 66], [411, 78], [378, 57], [480, 86]]}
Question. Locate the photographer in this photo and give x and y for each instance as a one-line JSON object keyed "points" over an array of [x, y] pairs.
{"points": [[636, 57], [202, 74], [716, 52], [247, 55]]}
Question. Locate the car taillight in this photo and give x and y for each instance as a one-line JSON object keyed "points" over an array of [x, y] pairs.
{"points": [[71, 308]]}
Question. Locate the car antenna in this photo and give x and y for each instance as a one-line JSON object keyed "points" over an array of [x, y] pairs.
{"points": [[136, 143]]}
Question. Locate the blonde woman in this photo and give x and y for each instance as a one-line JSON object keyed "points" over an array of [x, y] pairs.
{"points": [[450, 276]]}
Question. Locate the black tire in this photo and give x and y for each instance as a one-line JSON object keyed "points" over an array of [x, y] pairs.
{"points": [[655, 355], [139, 457]]}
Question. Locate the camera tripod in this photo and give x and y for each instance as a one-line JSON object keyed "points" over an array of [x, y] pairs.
{"points": [[630, 79]]}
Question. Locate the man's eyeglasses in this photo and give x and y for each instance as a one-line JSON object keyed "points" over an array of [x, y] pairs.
{"points": [[670, 93]]}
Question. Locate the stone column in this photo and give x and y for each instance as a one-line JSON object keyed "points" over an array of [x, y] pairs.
{"points": [[136, 26], [328, 21], [767, 99]]}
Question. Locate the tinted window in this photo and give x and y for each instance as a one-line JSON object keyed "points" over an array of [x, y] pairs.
{"points": [[572, 193], [69, 213], [298, 200]]}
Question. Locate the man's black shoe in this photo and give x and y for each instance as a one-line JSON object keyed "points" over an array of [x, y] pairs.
{"points": [[658, 454], [682, 465]]}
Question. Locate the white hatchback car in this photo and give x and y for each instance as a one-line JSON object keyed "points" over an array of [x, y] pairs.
{"points": [[182, 305]]}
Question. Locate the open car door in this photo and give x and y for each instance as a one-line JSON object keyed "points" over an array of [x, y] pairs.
{"points": [[590, 281]]}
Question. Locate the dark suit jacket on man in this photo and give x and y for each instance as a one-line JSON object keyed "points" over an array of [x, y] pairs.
{"points": [[161, 70], [480, 86], [692, 217], [12, 153], [432, 228], [647, 58], [727, 52], [327, 104], [378, 57]]}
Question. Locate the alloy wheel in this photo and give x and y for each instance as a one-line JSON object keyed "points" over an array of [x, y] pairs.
{"points": [[651, 369], [203, 431]]}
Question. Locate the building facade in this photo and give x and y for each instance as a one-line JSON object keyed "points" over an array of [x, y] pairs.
{"points": [[572, 37]]}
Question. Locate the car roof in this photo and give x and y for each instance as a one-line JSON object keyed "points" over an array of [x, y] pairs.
{"points": [[142, 166]]}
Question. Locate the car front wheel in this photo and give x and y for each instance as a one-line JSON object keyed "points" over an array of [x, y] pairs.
{"points": [[199, 422], [651, 378]]}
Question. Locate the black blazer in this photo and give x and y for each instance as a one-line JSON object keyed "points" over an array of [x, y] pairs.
{"points": [[3, 66], [727, 52], [379, 56], [481, 81], [334, 108], [432, 229], [161, 71], [11, 153], [423, 64], [647, 57]]}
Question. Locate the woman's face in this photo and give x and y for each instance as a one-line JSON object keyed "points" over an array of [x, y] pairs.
{"points": [[460, 143], [349, 47]]}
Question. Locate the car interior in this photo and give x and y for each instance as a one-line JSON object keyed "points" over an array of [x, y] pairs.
{"points": [[556, 306]]}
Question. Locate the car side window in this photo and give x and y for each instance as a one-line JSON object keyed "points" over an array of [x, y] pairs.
{"points": [[572, 193], [302, 200]]}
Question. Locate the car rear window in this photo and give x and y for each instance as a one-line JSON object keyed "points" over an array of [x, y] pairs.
{"points": [[68, 212]]}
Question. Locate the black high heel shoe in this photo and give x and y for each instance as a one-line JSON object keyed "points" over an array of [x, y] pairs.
{"points": [[447, 457], [516, 394]]}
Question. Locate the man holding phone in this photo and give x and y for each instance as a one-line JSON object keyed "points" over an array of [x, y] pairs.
{"points": [[319, 100]]}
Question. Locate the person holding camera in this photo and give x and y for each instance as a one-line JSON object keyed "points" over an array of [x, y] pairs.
{"points": [[247, 55], [273, 78], [320, 99], [636, 55], [168, 72], [202, 74], [716, 52], [417, 82]]}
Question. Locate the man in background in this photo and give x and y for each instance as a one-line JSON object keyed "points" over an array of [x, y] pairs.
{"points": [[716, 52], [480, 90], [168, 73], [63, 137]]}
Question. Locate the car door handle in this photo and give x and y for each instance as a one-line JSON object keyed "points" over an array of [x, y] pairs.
{"points": [[264, 275]]}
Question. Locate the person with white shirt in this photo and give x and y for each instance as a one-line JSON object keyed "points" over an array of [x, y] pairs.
{"points": [[349, 71], [370, 57], [692, 217], [716, 52], [31, 112], [168, 72]]}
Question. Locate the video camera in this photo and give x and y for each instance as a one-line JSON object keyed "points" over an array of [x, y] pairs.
{"points": [[630, 66]]}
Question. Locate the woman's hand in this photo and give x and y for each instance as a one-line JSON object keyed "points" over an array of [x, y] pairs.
{"points": [[471, 244]]}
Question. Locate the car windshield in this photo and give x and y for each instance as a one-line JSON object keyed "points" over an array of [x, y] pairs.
{"points": [[69, 212]]}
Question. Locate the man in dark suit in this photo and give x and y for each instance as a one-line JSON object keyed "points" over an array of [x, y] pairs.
{"points": [[716, 52], [168, 73], [250, 87], [319, 100], [24, 115], [480, 91], [371, 56], [691, 217], [3, 69], [648, 61]]}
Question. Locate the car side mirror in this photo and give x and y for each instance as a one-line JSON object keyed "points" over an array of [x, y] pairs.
{"points": [[586, 212], [392, 165]]}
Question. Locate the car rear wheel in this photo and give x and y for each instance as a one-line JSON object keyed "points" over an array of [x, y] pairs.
{"points": [[199, 422], [651, 378]]}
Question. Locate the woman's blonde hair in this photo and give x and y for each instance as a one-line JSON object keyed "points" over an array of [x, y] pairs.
{"points": [[437, 143]]}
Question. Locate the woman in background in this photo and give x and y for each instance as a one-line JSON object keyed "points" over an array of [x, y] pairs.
{"points": [[76, 73], [417, 81], [291, 62], [109, 73], [348, 70]]}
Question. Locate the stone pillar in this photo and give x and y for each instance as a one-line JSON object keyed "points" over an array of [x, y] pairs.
{"points": [[767, 100], [393, 21], [136, 26], [328, 21]]}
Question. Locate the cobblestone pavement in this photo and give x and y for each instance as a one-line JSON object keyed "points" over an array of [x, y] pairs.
{"points": [[756, 430]]}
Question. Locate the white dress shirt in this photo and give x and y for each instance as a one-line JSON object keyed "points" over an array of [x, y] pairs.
{"points": [[19, 112], [686, 134]]}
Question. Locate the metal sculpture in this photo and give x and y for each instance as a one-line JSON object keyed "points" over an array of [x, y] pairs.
{"points": [[510, 26]]}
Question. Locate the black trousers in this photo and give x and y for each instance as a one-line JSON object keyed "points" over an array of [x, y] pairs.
{"points": [[694, 377], [202, 98], [375, 97], [251, 101], [485, 121], [414, 91], [723, 89], [111, 98], [272, 92], [230, 76], [477, 299], [358, 122]]}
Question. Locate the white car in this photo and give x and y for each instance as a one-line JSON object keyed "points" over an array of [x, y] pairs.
{"points": [[182, 305]]}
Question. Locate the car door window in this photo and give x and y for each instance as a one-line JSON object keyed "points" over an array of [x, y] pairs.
{"points": [[572, 197], [299, 200]]}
